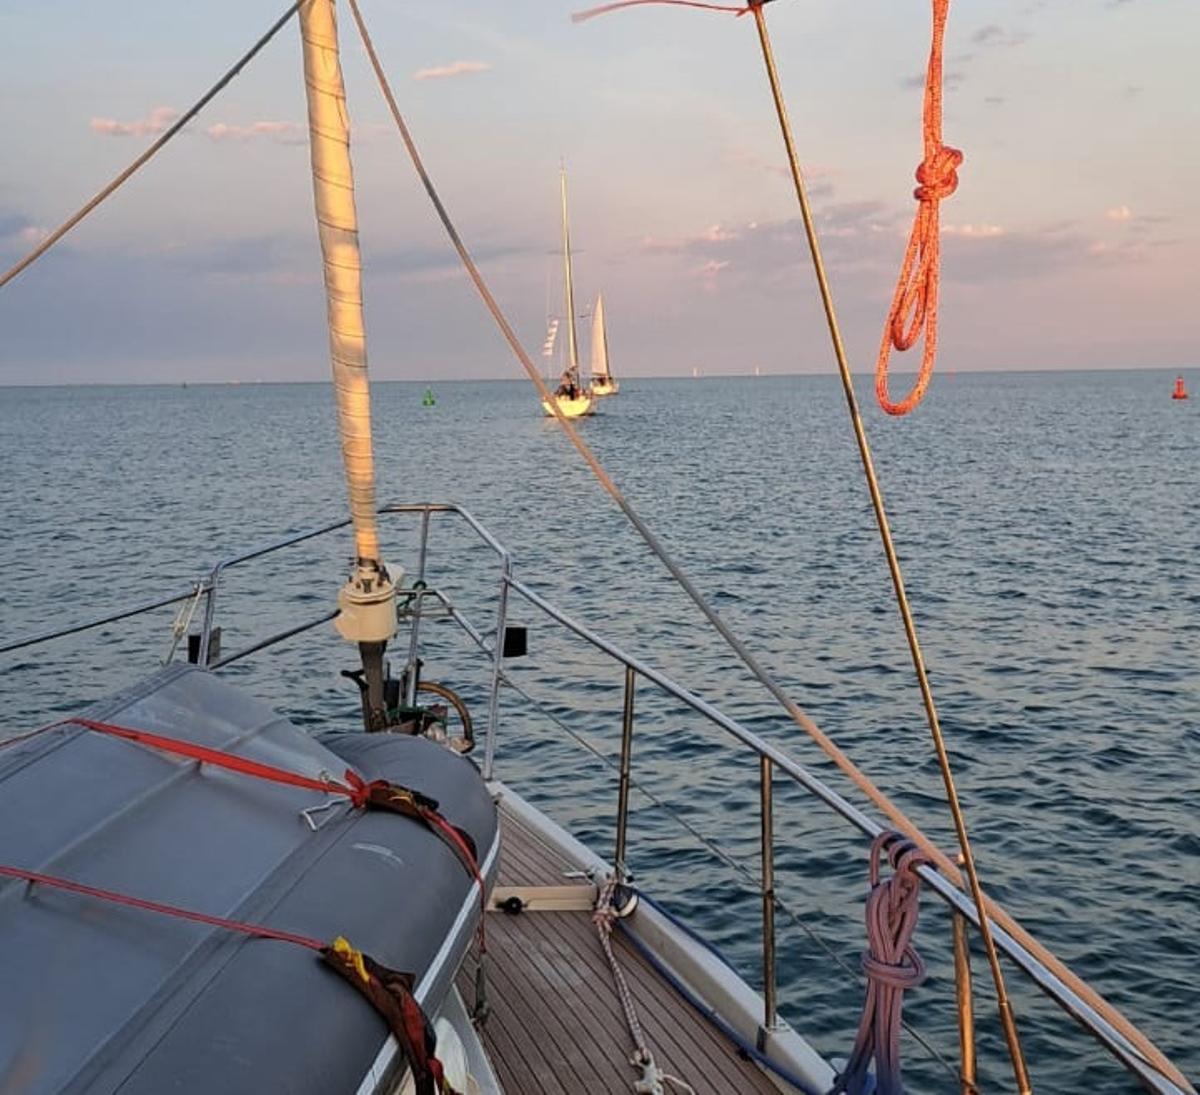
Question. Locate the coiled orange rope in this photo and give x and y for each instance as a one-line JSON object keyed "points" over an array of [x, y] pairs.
{"points": [[917, 288]]}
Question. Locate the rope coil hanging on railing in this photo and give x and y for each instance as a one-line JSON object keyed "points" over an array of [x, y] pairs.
{"points": [[891, 964]]}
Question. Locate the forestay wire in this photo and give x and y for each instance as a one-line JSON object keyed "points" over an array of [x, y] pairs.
{"points": [[652, 541], [1146, 1050]]}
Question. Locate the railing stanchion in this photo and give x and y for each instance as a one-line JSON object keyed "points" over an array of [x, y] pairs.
{"points": [[626, 757], [489, 755], [410, 683], [768, 892], [966, 1008]]}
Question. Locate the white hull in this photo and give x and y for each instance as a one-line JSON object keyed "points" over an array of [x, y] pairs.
{"points": [[602, 387]]}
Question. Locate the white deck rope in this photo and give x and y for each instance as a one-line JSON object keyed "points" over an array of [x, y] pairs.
{"points": [[653, 1077]]}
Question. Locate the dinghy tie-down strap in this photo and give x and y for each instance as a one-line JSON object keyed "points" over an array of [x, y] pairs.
{"points": [[389, 991], [376, 794], [891, 964]]}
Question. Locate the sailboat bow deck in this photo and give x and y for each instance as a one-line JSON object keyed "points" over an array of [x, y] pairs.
{"points": [[555, 1024]]}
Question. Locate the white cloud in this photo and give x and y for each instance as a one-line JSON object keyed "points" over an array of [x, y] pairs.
{"points": [[1119, 213], [160, 117], [975, 231], [282, 131], [455, 68]]}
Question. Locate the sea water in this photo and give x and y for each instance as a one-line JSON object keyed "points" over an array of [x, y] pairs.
{"points": [[1047, 527]]}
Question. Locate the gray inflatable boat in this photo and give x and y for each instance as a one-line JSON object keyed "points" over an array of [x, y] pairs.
{"points": [[101, 997]]}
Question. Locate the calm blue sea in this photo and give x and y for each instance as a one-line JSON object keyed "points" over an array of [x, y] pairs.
{"points": [[1048, 527]]}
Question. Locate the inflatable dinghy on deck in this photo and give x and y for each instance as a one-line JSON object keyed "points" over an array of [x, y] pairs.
{"points": [[102, 997]]}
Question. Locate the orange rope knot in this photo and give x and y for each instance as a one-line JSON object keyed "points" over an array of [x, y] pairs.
{"points": [[938, 175], [915, 303]]}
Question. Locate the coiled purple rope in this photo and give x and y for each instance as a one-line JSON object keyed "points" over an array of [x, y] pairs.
{"points": [[891, 965]]}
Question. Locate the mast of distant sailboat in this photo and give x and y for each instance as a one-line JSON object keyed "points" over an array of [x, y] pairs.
{"points": [[572, 370]]}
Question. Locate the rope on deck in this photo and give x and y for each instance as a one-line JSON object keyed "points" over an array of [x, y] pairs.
{"points": [[653, 1077]]}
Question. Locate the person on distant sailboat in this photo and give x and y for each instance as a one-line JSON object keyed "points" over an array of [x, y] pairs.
{"points": [[567, 386]]}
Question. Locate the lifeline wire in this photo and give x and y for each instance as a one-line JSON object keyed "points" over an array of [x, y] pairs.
{"points": [[1147, 1050], [737, 869], [1007, 1018], [893, 812], [170, 132]]}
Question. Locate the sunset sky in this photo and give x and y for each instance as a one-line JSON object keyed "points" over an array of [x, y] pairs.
{"points": [[1073, 240]]}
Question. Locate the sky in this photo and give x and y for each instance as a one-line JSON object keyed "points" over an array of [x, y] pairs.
{"points": [[1073, 240]]}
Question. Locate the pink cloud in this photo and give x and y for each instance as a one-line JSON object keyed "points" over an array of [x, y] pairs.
{"points": [[975, 231], [282, 131], [160, 117], [455, 68], [1119, 213]]}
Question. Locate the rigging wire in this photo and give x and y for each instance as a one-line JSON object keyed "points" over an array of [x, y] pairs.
{"points": [[141, 160], [848, 767], [1003, 1005], [753, 888], [1145, 1049]]}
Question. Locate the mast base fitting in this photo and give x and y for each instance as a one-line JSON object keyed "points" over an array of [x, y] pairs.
{"points": [[367, 606]]}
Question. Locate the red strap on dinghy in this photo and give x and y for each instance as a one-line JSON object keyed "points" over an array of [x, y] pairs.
{"points": [[377, 793], [389, 991]]}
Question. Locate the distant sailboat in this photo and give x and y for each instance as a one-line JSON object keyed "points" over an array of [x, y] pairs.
{"points": [[603, 382], [571, 397]]}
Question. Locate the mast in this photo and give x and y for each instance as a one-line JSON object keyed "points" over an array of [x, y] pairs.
{"points": [[367, 601], [572, 341], [599, 342]]}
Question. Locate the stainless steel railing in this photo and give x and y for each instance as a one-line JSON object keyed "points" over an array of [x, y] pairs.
{"points": [[772, 762]]}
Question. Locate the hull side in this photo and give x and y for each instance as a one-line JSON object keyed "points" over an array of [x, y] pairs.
{"points": [[571, 408]]}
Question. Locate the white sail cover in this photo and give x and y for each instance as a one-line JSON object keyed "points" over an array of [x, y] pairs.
{"points": [[337, 222], [599, 342]]}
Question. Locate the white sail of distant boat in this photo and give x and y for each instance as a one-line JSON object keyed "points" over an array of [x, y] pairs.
{"points": [[602, 378], [551, 336]]}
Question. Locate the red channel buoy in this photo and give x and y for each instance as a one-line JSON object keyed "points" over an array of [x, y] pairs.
{"points": [[1180, 392]]}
